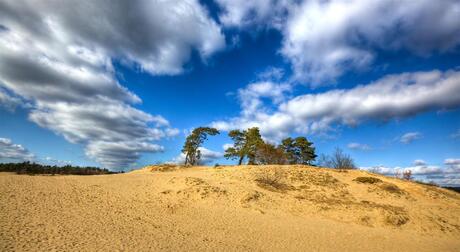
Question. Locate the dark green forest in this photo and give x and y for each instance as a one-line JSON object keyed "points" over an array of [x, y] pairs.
{"points": [[34, 168]]}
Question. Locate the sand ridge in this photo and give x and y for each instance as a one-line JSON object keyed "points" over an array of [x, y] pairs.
{"points": [[226, 208]]}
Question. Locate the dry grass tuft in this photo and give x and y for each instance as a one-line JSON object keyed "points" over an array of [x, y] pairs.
{"points": [[272, 179], [391, 188], [251, 196], [396, 219], [367, 180], [166, 167]]}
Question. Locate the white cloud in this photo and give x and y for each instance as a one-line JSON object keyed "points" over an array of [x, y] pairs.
{"points": [[323, 39], [14, 152], [57, 57], [157, 35], [410, 137], [359, 146], [453, 163], [226, 146], [58, 162], [447, 175], [416, 169], [419, 162], [251, 96], [119, 154], [207, 156], [9, 102], [241, 13], [391, 97]]}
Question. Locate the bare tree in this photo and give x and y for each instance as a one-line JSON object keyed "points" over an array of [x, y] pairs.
{"points": [[407, 175], [338, 160]]}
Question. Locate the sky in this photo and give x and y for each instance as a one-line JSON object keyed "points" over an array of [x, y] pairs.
{"points": [[120, 84]]}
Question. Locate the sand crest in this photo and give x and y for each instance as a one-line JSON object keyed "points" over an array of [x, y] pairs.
{"points": [[247, 208]]}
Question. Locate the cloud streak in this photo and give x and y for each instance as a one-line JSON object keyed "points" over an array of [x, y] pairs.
{"points": [[392, 97], [410, 137], [359, 146]]}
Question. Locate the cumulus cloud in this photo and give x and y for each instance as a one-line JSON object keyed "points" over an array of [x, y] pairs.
{"points": [[251, 97], [453, 163], [416, 169], [207, 156], [323, 39], [446, 175], [359, 146], [58, 57], [391, 97], [157, 35], [14, 152], [419, 162]]}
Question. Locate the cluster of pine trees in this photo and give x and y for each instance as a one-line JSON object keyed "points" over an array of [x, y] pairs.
{"points": [[34, 168], [249, 145]]}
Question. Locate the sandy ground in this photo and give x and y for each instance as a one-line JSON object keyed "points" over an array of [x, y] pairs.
{"points": [[225, 208]]}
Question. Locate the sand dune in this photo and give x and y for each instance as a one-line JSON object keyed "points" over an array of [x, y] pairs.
{"points": [[226, 208]]}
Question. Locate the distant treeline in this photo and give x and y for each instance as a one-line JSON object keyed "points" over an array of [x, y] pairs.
{"points": [[34, 168], [456, 189]]}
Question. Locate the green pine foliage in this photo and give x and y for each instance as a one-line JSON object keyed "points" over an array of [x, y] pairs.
{"points": [[248, 144], [194, 141]]}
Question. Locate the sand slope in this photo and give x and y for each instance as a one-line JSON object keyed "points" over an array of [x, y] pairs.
{"points": [[225, 208]]}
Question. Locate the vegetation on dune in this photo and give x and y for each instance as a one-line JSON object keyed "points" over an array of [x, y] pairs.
{"points": [[298, 150], [33, 169], [367, 180], [194, 141], [269, 154], [338, 160], [248, 144]]}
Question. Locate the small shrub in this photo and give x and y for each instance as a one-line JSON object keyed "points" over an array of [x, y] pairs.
{"points": [[367, 180], [407, 175], [391, 188], [271, 179], [396, 219], [165, 167]]}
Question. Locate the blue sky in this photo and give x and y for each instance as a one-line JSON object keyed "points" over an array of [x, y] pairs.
{"points": [[90, 85]]}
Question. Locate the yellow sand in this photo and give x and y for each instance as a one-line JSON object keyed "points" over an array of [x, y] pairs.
{"points": [[225, 208]]}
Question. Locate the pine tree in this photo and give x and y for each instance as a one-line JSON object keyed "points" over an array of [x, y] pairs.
{"points": [[245, 145], [194, 141], [298, 150]]}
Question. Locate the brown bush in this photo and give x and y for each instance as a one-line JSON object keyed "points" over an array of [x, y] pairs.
{"points": [[272, 178], [391, 188], [367, 180], [407, 175]]}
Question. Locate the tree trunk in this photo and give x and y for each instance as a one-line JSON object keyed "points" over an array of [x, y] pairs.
{"points": [[241, 160]]}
